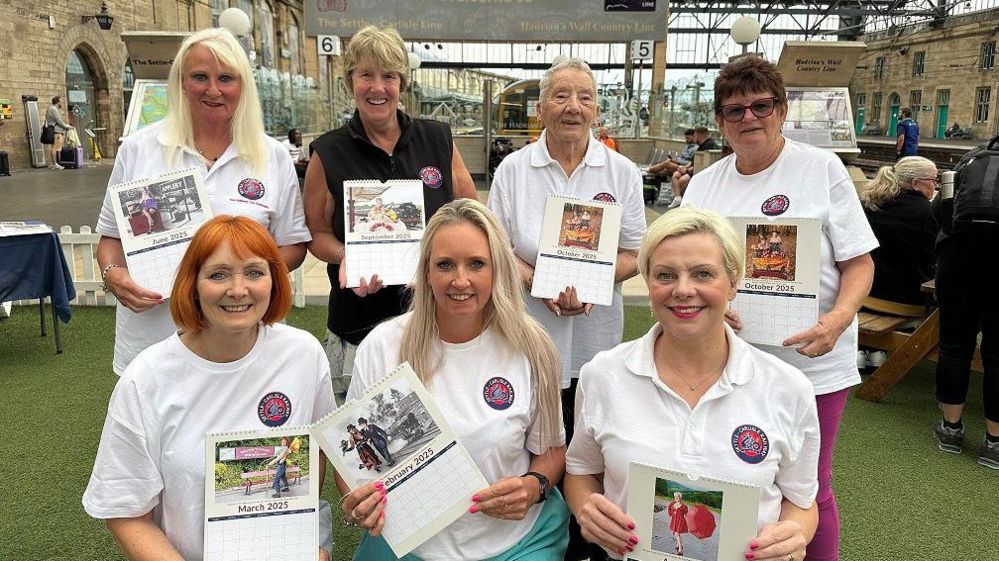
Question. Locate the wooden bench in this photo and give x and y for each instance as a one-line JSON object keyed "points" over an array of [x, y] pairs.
{"points": [[879, 322], [266, 477]]}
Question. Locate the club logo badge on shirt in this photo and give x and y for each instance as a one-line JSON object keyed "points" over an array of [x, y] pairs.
{"points": [[750, 444], [776, 205], [498, 393], [605, 198], [274, 409], [250, 188], [432, 177]]}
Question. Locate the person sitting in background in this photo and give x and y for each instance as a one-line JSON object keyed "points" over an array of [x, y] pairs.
{"points": [[701, 140], [898, 208], [298, 156], [604, 137], [953, 130]]}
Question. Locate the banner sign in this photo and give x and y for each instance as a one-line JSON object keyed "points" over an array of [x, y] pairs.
{"points": [[493, 20], [246, 453]]}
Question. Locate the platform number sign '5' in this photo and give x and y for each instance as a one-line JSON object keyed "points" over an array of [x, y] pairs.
{"points": [[641, 49], [328, 45]]}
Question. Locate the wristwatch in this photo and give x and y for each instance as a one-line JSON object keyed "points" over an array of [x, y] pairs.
{"points": [[543, 484]]}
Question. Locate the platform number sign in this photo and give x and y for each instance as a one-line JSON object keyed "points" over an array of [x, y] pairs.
{"points": [[641, 49], [329, 45]]}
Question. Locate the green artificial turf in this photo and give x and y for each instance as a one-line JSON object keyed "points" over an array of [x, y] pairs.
{"points": [[899, 497]]}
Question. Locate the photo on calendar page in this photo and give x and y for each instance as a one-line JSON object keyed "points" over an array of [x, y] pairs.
{"points": [[261, 495], [396, 435], [681, 516]]}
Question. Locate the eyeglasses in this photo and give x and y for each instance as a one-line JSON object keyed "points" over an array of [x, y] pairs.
{"points": [[762, 108], [935, 180]]}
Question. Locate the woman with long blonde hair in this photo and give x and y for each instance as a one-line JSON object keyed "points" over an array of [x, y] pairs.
{"points": [[495, 374], [214, 123]]}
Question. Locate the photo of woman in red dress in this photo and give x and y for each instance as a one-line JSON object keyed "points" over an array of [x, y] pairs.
{"points": [[677, 523]]}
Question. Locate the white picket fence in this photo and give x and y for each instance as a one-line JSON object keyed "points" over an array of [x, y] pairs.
{"points": [[80, 250]]}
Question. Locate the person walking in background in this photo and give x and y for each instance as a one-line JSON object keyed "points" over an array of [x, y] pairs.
{"points": [[54, 118], [907, 132]]}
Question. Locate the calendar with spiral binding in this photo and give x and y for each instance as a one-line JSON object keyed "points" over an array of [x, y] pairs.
{"points": [[397, 434], [261, 495], [383, 226], [578, 248], [680, 516]]}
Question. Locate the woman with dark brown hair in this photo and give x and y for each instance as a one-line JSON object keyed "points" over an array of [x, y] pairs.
{"points": [[771, 176]]}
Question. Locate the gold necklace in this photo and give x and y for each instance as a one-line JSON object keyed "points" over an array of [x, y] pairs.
{"points": [[693, 386], [205, 156]]}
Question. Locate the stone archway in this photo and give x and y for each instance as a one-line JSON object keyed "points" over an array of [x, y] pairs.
{"points": [[104, 54]]}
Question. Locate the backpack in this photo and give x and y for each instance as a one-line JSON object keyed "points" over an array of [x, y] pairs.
{"points": [[976, 186]]}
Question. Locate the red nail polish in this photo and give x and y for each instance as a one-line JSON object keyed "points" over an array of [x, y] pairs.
{"points": [[633, 539], [474, 509], [750, 555], [631, 525], [754, 544], [379, 485], [620, 551], [630, 548], [475, 498]]}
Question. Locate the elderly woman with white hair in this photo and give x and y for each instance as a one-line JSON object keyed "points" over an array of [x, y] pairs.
{"points": [[706, 391], [568, 161], [214, 123]]}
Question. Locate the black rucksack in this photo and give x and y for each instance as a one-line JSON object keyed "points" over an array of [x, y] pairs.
{"points": [[976, 186]]}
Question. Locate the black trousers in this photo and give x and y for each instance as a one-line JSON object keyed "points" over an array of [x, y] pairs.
{"points": [[579, 548], [968, 295]]}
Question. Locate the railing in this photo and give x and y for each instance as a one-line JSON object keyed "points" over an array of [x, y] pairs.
{"points": [[80, 250]]}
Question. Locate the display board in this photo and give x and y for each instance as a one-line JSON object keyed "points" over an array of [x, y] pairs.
{"points": [[821, 117], [147, 106]]}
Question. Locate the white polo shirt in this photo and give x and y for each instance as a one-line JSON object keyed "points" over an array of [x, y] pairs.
{"points": [[272, 200], [500, 437], [517, 197], [804, 182], [625, 413], [152, 450]]}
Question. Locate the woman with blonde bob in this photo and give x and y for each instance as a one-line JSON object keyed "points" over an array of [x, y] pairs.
{"points": [[230, 367], [721, 408], [214, 123], [495, 374], [380, 142], [897, 205]]}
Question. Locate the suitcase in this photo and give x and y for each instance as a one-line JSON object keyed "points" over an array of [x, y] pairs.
{"points": [[71, 158], [4, 164]]}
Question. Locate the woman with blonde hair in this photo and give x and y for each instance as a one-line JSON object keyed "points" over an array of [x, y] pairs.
{"points": [[214, 123], [380, 142], [495, 374], [897, 205], [711, 397]]}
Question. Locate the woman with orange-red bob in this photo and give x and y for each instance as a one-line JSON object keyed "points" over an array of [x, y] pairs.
{"points": [[230, 366]]}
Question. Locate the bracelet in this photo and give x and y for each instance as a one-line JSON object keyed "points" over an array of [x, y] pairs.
{"points": [[104, 277]]}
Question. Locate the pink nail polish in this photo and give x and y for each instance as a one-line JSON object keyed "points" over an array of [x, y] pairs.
{"points": [[475, 498], [631, 525], [379, 484], [621, 551], [633, 539], [630, 548], [473, 509], [750, 556], [384, 499], [753, 544]]}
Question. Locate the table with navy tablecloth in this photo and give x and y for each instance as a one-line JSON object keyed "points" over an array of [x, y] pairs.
{"points": [[33, 266]]}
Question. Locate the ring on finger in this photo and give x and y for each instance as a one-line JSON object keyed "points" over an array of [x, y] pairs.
{"points": [[354, 515], [790, 557]]}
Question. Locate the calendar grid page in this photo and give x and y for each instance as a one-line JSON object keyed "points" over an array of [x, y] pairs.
{"points": [[156, 219], [578, 247], [778, 295], [383, 225], [425, 468], [261, 495]]}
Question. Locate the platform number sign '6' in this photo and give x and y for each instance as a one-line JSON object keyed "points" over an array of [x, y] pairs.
{"points": [[328, 45], [641, 49]]}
